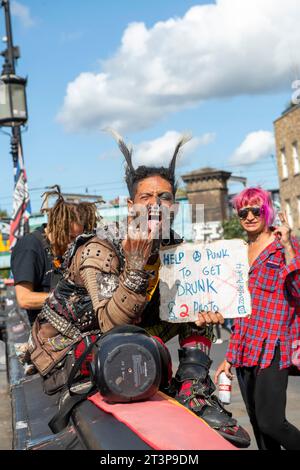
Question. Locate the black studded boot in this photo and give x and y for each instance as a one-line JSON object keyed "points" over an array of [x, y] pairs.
{"points": [[194, 389]]}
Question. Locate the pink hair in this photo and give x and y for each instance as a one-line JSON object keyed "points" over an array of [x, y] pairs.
{"points": [[256, 197]]}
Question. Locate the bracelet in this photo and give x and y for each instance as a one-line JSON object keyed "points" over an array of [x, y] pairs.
{"points": [[136, 281]]}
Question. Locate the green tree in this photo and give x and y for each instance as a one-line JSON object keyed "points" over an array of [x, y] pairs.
{"points": [[3, 214], [232, 229], [4, 273]]}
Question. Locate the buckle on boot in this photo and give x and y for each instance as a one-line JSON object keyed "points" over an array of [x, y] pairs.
{"points": [[200, 388]]}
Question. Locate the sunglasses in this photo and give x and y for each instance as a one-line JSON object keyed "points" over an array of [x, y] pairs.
{"points": [[243, 213]]}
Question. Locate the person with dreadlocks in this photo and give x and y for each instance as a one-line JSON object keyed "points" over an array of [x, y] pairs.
{"points": [[112, 280], [37, 256]]}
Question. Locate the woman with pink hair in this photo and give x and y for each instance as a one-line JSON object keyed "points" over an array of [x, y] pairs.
{"points": [[262, 347]]}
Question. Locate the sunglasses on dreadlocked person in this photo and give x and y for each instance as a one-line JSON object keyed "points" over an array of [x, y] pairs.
{"points": [[243, 213]]}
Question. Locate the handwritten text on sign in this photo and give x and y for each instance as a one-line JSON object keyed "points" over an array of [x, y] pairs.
{"points": [[210, 277]]}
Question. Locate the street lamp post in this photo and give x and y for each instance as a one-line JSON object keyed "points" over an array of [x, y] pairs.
{"points": [[13, 114], [13, 107]]}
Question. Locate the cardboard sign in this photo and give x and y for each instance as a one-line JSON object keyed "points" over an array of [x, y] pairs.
{"points": [[210, 277]]}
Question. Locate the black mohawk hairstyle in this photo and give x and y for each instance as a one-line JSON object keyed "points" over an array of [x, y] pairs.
{"points": [[133, 176]]}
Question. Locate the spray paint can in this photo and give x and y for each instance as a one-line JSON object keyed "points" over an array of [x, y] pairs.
{"points": [[224, 389]]}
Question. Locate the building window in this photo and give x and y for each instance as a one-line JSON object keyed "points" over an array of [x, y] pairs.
{"points": [[289, 213], [296, 158], [285, 172]]}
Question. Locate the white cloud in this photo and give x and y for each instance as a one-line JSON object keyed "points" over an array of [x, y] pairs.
{"points": [[23, 13], [255, 147], [159, 151], [229, 48]]}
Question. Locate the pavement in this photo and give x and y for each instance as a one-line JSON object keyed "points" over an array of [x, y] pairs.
{"points": [[5, 408], [237, 407]]}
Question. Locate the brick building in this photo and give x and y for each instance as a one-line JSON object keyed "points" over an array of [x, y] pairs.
{"points": [[287, 136], [208, 186]]}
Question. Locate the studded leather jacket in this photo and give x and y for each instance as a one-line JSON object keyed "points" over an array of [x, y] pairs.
{"points": [[96, 291]]}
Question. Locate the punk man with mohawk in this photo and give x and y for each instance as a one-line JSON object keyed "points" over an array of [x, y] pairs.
{"points": [[119, 273]]}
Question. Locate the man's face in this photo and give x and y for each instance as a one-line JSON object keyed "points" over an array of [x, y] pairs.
{"points": [[153, 192], [150, 189]]}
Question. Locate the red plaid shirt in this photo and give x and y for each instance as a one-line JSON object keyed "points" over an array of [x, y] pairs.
{"points": [[275, 318]]}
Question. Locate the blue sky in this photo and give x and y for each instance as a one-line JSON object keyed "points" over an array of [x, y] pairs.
{"points": [[152, 70]]}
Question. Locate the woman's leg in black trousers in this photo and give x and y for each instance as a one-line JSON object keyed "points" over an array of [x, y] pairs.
{"points": [[247, 381], [264, 393], [270, 405]]}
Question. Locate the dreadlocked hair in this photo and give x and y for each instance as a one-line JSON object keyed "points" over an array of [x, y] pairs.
{"points": [[61, 216]]}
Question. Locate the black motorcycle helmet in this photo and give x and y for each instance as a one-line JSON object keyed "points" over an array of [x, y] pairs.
{"points": [[129, 365]]}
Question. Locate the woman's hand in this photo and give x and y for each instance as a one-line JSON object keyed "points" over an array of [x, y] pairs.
{"points": [[283, 232], [225, 366], [208, 318]]}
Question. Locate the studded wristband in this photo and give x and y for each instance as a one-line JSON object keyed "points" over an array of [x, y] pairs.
{"points": [[136, 281]]}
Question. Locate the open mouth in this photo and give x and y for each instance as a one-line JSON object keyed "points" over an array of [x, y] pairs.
{"points": [[154, 217]]}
